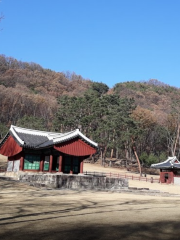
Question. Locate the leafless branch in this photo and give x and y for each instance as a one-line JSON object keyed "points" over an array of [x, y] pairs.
{"points": [[1, 16]]}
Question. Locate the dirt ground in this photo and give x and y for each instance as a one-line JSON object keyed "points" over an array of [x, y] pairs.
{"points": [[135, 183], [32, 213], [3, 160]]}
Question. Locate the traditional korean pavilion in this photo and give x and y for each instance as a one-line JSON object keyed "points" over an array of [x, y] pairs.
{"points": [[40, 151], [169, 169]]}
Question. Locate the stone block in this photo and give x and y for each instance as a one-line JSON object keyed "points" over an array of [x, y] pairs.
{"points": [[74, 181]]}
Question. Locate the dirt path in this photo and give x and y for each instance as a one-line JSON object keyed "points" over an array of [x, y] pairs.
{"points": [[31, 213], [28, 213], [135, 183]]}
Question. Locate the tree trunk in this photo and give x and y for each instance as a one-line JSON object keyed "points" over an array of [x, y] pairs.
{"points": [[101, 157], [93, 159], [117, 153], [135, 153], [174, 151], [112, 151], [104, 155]]}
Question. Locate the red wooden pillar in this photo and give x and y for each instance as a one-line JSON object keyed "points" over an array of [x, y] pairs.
{"points": [[60, 163], [42, 163], [171, 177], [50, 163], [21, 166], [162, 178], [81, 165], [71, 170]]}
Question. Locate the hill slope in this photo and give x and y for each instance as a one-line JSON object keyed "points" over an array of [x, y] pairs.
{"points": [[152, 95], [27, 89], [141, 115]]}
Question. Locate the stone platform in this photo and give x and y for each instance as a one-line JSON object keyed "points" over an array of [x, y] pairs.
{"points": [[67, 181]]}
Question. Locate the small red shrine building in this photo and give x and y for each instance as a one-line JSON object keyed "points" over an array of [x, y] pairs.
{"points": [[169, 170], [40, 151]]}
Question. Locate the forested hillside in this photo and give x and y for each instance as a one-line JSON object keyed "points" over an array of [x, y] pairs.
{"points": [[141, 116], [27, 92]]}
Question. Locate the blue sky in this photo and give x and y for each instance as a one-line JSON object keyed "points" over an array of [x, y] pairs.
{"points": [[108, 41]]}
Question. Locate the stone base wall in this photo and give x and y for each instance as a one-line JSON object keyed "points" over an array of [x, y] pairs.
{"points": [[64, 181], [14, 175]]}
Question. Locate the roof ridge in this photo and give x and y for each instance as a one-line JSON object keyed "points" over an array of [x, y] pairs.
{"points": [[54, 137], [40, 131]]}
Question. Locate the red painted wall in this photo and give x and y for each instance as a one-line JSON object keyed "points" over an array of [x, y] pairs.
{"points": [[10, 147], [170, 177], [75, 147]]}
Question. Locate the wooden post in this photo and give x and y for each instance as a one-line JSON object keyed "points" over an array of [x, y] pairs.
{"points": [[21, 167], [81, 165], [71, 170], [60, 163], [42, 163], [50, 163]]}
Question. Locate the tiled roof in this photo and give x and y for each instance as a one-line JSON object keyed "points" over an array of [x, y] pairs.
{"points": [[40, 139], [171, 162]]}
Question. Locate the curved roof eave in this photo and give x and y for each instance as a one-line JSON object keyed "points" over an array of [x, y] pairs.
{"points": [[72, 135], [54, 138], [16, 136], [4, 139]]}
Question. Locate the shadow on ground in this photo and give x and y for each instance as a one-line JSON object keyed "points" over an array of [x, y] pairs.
{"points": [[151, 231], [28, 213]]}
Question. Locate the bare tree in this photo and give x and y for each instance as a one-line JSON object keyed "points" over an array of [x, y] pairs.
{"points": [[1, 17]]}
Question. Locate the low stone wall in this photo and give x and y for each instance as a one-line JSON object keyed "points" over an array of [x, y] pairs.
{"points": [[14, 175], [74, 181]]}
